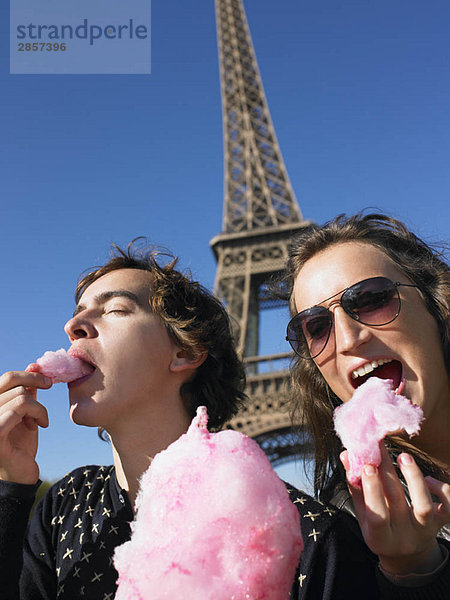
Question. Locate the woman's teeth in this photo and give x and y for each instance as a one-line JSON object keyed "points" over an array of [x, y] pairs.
{"points": [[369, 367]]}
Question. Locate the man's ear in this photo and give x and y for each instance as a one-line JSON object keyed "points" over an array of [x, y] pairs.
{"points": [[184, 361]]}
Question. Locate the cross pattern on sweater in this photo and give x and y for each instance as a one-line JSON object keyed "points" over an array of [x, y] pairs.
{"points": [[87, 522]]}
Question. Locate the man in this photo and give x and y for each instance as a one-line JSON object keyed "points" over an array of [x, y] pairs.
{"points": [[160, 346]]}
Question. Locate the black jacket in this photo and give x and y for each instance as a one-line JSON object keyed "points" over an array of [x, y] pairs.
{"points": [[66, 550]]}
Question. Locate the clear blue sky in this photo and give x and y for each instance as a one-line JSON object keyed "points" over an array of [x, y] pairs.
{"points": [[359, 93]]}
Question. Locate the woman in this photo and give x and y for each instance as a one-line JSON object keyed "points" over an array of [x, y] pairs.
{"points": [[369, 298]]}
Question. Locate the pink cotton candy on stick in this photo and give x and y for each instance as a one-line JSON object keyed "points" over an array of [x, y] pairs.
{"points": [[213, 522], [373, 412], [60, 366]]}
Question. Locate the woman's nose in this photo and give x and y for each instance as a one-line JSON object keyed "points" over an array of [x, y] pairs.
{"points": [[349, 334], [78, 327]]}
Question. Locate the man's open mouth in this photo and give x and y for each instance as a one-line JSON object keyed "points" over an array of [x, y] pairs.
{"points": [[382, 368], [88, 366]]}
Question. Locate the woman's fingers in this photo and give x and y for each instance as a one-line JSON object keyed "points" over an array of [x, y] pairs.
{"points": [[382, 490], [421, 501], [380, 504], [377, 509], [369, 500], [403, 535], [442, 491], [355, 493], [392, 486]]}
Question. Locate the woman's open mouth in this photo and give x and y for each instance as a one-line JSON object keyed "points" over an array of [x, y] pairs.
{"points": [[382, 368]]}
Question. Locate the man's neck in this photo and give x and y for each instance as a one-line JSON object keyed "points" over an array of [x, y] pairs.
{"points": [[134, 450], [129, 469]]}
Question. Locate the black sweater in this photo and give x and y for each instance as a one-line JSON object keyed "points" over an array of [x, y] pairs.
{"points": [[67, 548]]}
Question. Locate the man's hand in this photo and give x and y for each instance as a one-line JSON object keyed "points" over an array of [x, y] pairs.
{"points": [[21, 415]]}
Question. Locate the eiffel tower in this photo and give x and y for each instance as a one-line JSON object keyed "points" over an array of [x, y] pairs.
{"points": [[260, 216]]}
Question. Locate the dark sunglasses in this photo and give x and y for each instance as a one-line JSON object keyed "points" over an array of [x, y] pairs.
{"points": [[374, 301]]}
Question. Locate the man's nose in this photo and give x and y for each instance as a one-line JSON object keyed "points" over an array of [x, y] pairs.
{"points": [[79, 327]]}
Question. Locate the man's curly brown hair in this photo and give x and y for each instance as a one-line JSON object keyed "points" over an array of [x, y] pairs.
{"points": [[195, 320]]}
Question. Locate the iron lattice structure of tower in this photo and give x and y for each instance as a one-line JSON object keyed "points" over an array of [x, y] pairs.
{"points": [[260, 216]]}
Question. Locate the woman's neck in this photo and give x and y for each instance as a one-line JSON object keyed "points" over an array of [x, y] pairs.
{"points": [[434, 436], [435, 444]]}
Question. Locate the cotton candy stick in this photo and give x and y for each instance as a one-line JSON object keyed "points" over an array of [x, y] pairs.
{"points": [[373, 412], [213, 522]]}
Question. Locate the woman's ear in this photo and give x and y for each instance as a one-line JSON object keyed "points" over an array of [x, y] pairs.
{"points": [[184, 360]]}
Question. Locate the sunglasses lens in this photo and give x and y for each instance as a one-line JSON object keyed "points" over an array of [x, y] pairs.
{"points": [[308, 331], [374, 301]]}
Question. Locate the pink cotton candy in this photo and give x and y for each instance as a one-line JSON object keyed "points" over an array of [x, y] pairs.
{"points": [[213, 522], [373, 412], [60, 367]]}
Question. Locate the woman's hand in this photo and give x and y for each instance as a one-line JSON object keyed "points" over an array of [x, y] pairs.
{"points": [[20, 417], [404, 537]]}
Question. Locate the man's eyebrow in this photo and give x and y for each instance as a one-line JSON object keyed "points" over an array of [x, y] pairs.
{"points": [[105, 296]]}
